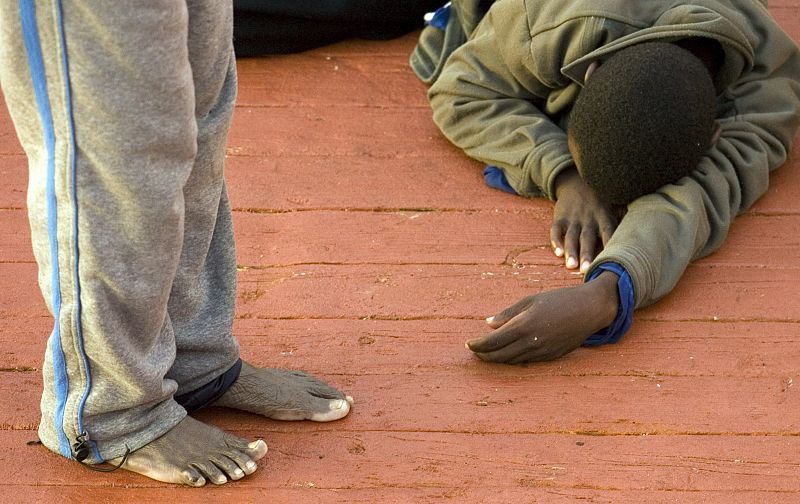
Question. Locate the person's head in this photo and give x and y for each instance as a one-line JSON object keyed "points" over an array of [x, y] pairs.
{"points": [[643, 119]]}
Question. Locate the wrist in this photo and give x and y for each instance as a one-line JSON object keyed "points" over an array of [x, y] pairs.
{"points": [[607, 295]]}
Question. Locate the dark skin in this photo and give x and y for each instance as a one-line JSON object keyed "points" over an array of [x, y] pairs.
{"points": [[582, 225], [550, 324]]}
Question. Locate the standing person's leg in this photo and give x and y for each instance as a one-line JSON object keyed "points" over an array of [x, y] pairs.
{"points": [[104, 105], [201, 304]]}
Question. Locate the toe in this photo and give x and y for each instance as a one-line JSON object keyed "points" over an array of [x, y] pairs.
{"points": [[228, 466], [192, 477], [240, 447], [336, 409], [257, 449], [245, 463], [211, 472]]}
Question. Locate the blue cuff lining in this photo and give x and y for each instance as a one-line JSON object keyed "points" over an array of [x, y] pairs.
{"points": [[495, 178], [438, 18], [211, 391], [622, 323]]}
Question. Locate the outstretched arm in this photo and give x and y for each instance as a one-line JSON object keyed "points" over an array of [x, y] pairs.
{"points": [[550, 324], [662, 232]]}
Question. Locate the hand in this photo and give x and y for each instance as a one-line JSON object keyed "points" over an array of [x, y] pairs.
{"points": [[550, 324], [580, 221]]}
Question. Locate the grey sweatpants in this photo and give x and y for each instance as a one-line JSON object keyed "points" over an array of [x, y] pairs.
{"points": [[123, 109]]}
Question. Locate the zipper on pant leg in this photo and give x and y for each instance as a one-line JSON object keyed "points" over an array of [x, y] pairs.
{"points": [[30, 31]]}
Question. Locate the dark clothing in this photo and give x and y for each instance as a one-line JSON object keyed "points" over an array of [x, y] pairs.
{"points": [[286, 26]]}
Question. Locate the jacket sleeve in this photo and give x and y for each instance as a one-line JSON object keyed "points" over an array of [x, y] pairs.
{"points": [[662, 232], [488, 102]]}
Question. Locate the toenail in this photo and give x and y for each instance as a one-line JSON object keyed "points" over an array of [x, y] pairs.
{"points": [[255, 444], [251, 465]]}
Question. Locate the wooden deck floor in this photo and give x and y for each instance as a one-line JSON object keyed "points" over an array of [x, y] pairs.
{"points": [[370, 250]]}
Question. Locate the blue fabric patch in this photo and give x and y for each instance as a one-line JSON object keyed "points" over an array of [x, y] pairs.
{"points": [[211, 391], [440, 17], [622, 323], [495, 178]]}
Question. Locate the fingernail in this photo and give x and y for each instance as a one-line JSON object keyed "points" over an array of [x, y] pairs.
{"points": [[585, 266], [559, 252], [572, 262], [337, 404], [238, 472], [256, 444], [251, 465], [489, 319], [466, 345]]}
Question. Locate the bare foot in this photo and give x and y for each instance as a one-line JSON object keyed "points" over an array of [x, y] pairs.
{"points": [[285, 395], [193, 453]]}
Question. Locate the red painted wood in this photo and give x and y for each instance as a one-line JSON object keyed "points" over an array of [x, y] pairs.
{"points": [[379, 466], [370, 250]]}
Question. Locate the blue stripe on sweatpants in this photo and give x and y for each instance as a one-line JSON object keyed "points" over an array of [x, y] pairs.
{"points": [[30, 31]]}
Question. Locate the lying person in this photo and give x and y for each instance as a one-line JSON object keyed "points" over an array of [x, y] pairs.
{"points": [[673, 112]]}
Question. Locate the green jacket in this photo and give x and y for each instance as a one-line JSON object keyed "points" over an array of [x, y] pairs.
{"points": [[505, 94]]}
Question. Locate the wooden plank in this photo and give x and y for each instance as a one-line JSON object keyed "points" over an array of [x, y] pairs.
{"points": [[466, 291], [242, 491], [309, 182], [706, 293], [312, 131], [472, 399], [494, 237], [14, 174], [15, 236], [317, 465], [782, 195], [9, 144], [787, 15], [383, 81], [370, 347], [403, 237]]}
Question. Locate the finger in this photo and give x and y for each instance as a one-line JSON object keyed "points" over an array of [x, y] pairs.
{"points": [[588, 247], [496, 339], [571, 245], [538, 354], [607, 231], [557, 238], [521, 345], [512, 311]]}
